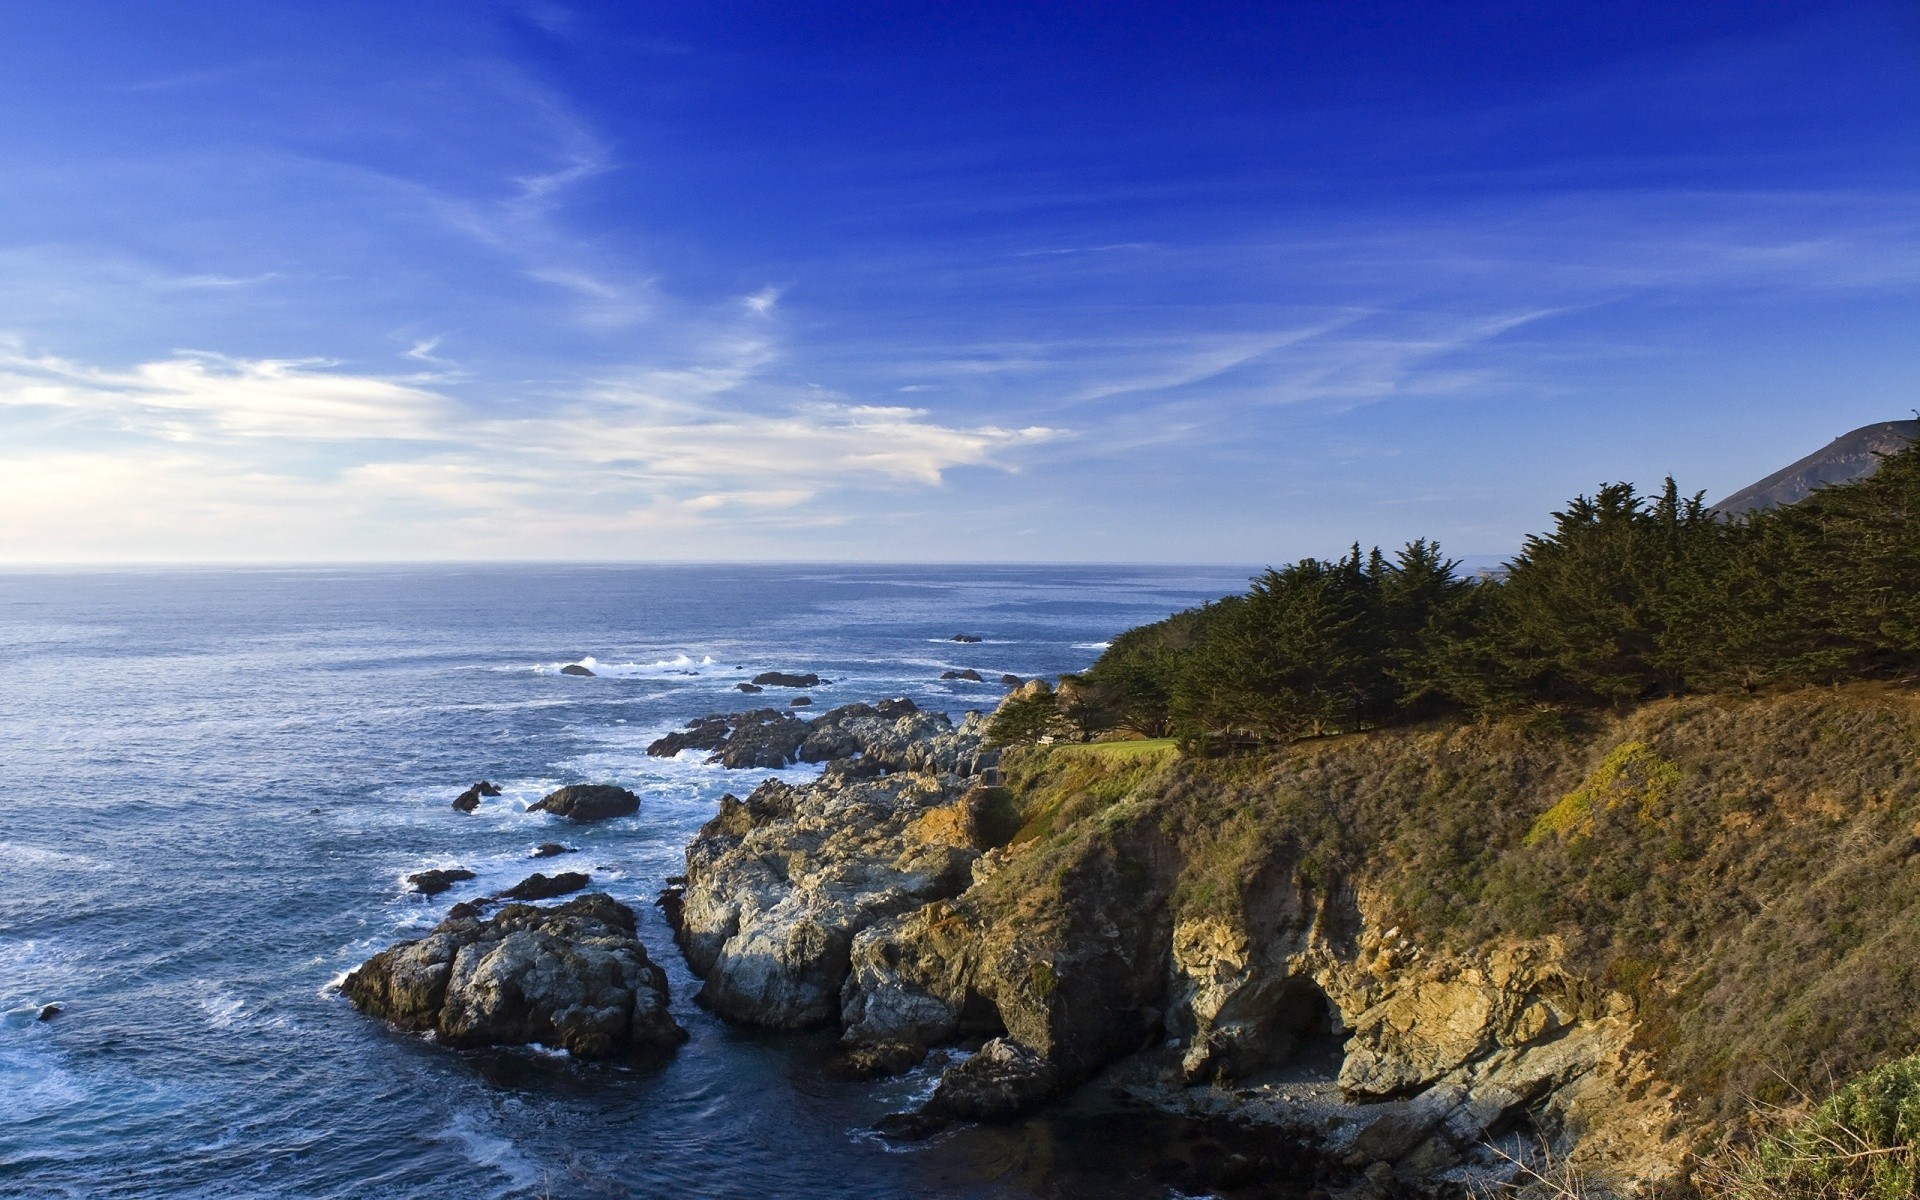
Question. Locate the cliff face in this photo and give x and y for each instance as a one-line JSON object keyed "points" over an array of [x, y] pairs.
{"points": [[1440, 1053], [1408, 945]]}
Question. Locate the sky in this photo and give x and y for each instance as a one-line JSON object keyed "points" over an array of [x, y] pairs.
{"points": [[1128, 282]]}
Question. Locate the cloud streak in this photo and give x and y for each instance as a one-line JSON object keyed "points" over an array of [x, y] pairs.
{"points": [[236, 448]]}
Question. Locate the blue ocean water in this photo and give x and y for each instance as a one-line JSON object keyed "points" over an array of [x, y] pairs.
{"points": [[212, 783]]}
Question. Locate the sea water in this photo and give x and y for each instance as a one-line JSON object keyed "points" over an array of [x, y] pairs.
{"points": [[214, 782]]}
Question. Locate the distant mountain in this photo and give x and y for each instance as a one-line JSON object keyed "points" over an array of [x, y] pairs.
{"points": [[1848, 456]]}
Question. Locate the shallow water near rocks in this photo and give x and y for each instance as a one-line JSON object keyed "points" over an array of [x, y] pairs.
{"points": [[214, 783]]}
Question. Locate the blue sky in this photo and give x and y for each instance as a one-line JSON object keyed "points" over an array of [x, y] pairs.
{"points": [[1113, 282]]}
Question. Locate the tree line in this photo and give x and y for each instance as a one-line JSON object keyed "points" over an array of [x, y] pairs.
{"points": [[1628, 597]]}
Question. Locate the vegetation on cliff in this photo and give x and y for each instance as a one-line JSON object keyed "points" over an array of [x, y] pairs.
{"points": [[1740, 869], [1627, 598]]}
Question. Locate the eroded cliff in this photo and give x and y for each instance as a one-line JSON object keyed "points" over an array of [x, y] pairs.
{"points": [[1414, 946]]}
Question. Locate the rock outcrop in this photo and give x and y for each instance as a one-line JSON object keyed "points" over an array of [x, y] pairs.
{"points": [[779, 885], [787, 680], [469, 800], [438, 879], [538, 886], [588, 802], [892, 735], [576, 669], [572, 976]]}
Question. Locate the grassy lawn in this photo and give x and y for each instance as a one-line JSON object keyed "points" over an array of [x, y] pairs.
{"points": [[1119, 750]]}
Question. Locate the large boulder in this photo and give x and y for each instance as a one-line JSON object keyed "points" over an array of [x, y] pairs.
{"points": [[1003, 1081], [576, 669], [779, 884], [588, 802], [573, 976]]}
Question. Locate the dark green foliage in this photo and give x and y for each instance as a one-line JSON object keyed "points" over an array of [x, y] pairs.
{"points": [[1023, 718], [1625, 599]]}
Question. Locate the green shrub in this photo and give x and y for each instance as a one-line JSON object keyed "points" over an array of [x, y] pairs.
{"points": [[1862, 1144]]}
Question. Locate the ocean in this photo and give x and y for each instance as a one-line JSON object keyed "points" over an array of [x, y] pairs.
{"points": [[213, 783]]}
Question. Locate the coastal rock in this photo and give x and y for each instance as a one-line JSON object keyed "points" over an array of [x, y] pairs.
{"points": [[749, 688], [877, 1061], [469, 800], [576, 669], [892, 735], [800, 701], [1012, 681], [551, 850], [573, 976], [783, 679], [707, 733], [778, 886], [1003, 1081], [588, 802], [964, 637], [49, 1011], [438, 879], [545, 887], [969, 674], [766, 739]]}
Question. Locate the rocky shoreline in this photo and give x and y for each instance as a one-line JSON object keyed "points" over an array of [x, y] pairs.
{"points": [[889, 900], [894, 909]]}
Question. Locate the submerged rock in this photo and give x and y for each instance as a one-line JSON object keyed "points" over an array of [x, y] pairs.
{"points": [[544, 887], [552, 850], [588, 802], [469, 800], [749, 688], [964, 637], [573, 976], [576, 669], [49, 1011], [438, 879]]}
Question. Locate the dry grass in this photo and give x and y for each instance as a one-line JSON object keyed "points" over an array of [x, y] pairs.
{"points": [[1747, 869]]}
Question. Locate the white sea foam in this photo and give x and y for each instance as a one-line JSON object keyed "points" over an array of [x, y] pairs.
{"points": [[1093, 645], [19, 854], [680, 666], [495, 1153], [35, 1085]]}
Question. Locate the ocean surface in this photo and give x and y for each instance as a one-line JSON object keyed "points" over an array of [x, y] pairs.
{"points": [[213, 782]]}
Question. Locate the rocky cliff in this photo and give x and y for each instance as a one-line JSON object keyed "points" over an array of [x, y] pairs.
{"points": [[1424, 949]]}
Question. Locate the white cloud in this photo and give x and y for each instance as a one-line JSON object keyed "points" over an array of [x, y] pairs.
{"points": [[763, 301], [204, 456], [199, 395]]}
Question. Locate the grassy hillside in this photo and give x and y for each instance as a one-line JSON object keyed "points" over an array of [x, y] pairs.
{"points": [[1746, 867]]}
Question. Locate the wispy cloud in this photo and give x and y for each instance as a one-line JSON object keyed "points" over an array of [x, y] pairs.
{"points": [[231, 446]]}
